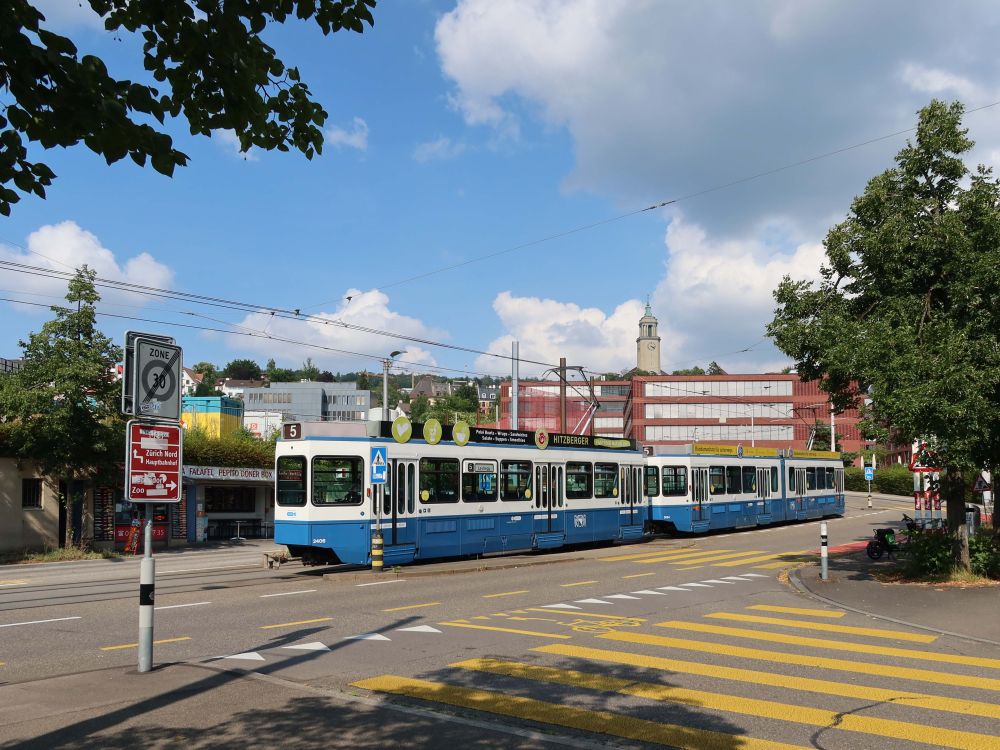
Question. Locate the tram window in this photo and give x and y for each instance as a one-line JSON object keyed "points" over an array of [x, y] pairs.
{"points": [[774, 479], [831, 483], [291, 480], [386, 492], [515, 480], [400, 488], [791, 479], [337, 480], [557, 486], [716, 480], [675, 481], [749, 478], [439, 480], [479, 482], [652, 481], [605, 480], [811, 478], [733, 484], [579, 480], [411, 471]]}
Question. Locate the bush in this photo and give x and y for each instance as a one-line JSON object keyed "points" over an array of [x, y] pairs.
{"points": [[240, 450], [931, 553], [984, 553], [891, 480]]}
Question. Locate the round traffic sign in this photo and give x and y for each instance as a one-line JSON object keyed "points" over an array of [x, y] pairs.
{"points": [[157, 381]]}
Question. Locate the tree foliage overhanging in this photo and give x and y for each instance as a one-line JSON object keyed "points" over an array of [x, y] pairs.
{"points": [[206, 61], [907, 310]]}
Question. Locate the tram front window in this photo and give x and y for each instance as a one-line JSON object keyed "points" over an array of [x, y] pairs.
{"points": [[337, 480], [291, 480]]}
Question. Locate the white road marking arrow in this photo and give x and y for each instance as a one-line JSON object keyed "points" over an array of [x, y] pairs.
{"points": [[314, 646], [366, 637], [419, 629], [248, 656]]}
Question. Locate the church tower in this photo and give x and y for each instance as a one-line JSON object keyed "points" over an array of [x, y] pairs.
{"points": [[648, 343]]}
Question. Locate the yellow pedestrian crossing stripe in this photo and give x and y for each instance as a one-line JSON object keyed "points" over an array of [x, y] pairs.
{"points": [[760, 558], [861, 648], [737, 704], [638, 555], [898, 635], [774, 679], [707, 557], [600, 722], [808, 660], [689, 558], [797, 610]]}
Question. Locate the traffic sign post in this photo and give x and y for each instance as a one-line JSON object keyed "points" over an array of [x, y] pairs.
{"points": [[151, 391], [377, 477]]}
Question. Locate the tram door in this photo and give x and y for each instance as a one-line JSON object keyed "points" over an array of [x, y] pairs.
{"points": [[700, 510], [549, 501], [630, 497], [800, 489], [398, 503]]}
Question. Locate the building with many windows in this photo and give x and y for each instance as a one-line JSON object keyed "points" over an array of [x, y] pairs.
{"points": [[311, 400]]}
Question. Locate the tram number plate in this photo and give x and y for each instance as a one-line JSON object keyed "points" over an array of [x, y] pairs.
{"points": [[479, 468]]}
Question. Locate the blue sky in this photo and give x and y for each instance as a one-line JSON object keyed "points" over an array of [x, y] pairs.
{"points": [[463, 128]]}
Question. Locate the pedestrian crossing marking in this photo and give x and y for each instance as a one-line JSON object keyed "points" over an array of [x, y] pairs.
{"points": [[686, 558], [797, 610], [598, 722], [764, 709], [775, 679], [786, 561], [730, 556], [860, 648], [515, 631], [826, 626], [589, 614], [762, 558], [806, 660], [638, 555]]}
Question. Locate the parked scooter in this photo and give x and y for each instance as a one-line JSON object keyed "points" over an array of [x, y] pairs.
{"points": [[885, 540]]}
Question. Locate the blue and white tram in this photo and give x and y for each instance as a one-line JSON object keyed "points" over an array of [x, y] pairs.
{"points": [[705, 487], [454, 491]]}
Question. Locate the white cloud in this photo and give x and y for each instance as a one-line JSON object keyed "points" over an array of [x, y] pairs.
{"points": [[438, 150], [547, 329], [231, 143], [65, 247], [720, 292], [369, 309], [355, 137], [662, 99]]}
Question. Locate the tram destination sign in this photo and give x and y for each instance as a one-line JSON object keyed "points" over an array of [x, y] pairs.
{"points": [[539, 438], [153, 463]]}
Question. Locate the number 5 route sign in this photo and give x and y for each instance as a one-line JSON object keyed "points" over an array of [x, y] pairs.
{"points": [[153, 463]]}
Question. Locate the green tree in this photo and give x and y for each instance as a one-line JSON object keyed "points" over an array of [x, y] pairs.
{"points": [[714, 369], [906, 310], [282, 375], [242, 369], [419, 409], [689, 371], [55, 97], [309, 371], [63, 406]]}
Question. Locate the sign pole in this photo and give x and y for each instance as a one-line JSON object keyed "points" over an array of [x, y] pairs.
{"points": [[824, 574], [147, 584]]}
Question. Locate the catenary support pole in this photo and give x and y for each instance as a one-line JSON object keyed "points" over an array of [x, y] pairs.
{"points": [[514, 356], [147, 579], [823, 573]]}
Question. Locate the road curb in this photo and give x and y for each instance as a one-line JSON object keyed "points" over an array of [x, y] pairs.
{"points": [[799, 585]]}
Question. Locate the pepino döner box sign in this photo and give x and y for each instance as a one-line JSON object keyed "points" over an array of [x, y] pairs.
{"points": [[490, 436], [227, 473]]}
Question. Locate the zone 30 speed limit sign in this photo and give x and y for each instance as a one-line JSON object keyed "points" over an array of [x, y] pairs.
{"points": [[157, 388]]}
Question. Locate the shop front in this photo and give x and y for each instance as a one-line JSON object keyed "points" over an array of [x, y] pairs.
{"points": [[229, 503]]}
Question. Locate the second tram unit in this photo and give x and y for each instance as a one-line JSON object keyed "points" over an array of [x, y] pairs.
{"points": [[706, 487], [450, 491]]}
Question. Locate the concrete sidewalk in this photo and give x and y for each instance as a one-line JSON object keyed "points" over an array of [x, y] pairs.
{"points": [[969, 612]]}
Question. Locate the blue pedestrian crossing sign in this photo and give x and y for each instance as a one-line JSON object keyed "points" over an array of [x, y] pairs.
{"points": [[379, 464], [869, 473]]}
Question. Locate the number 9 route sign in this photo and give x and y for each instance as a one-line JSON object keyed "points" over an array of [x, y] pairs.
{"points": [[157, 390]]}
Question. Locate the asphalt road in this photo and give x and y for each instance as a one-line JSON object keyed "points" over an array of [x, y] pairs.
{"points": [[680, 642]]}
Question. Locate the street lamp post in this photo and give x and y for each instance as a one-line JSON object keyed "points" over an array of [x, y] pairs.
{"points": [[386, 363]]}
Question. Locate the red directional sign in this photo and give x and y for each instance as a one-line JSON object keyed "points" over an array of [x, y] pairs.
{"points": [[154, 463]]}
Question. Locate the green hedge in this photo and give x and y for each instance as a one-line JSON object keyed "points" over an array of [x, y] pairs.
{"points": [[891, 480], [238, 450]]}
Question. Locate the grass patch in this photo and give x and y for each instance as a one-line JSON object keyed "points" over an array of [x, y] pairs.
{"points": [[63, 554], [955, 579]]}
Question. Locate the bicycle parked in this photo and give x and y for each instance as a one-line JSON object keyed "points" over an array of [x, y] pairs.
{"points": [[885, 542]]}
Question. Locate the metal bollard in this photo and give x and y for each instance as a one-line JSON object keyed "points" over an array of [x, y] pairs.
{"points": [[377, 545], [147, 586], [822, 551]]}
